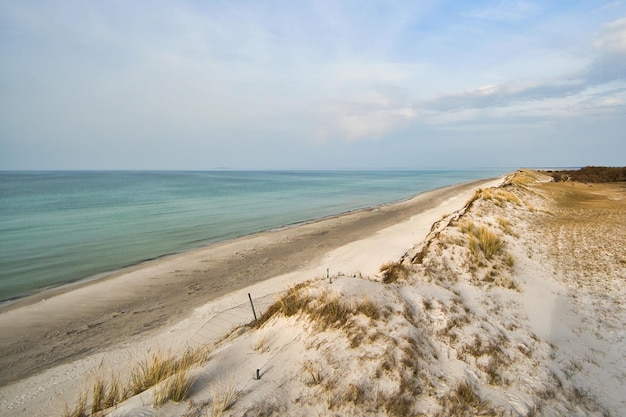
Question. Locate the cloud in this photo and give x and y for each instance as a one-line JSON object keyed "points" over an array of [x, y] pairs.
{"points": [[506, 11], [286, 76], [613, 37], [610, 46]]}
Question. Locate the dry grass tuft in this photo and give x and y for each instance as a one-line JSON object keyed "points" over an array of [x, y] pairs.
{"points": [[108, 392], [224, 396], [354, 394], [481, 239], [313, 372], [150, 372], [176, 389], [331, 313], [464, 401], [79, 409], [290, 303], [506, 226], [489, 242], [522, 178], [498, 195], [368, 308], [394, 271]]}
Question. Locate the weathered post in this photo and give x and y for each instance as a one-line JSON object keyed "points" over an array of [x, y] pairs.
{"points": [[252, 305]]}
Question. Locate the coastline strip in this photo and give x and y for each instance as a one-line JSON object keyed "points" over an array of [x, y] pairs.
{"points": [[66, 324]]}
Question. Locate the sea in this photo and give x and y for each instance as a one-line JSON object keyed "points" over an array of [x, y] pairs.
{"points": [[63, 227]]}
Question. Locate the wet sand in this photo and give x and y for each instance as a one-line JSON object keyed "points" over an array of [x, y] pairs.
{"points": [[66, 324]]}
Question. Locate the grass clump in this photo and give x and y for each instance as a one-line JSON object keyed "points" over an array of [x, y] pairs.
{"points": [[224, 396], [106, 393], [161, 366], [324, 311], [331, 313], [481, 239], [79, 409], [290, 303], [463, 400], [176, 389], [489, 242], [368, 308], [394, 271], [506, 226]]}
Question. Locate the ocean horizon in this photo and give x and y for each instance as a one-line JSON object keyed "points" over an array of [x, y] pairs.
{"points": [[60, 227]]}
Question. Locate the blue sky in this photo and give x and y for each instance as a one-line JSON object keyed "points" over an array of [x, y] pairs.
{"points": [[311, 84]]}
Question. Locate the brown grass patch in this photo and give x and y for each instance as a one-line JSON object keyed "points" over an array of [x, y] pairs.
{"points": [[176, 389], [290, 303], [108, 392], [481, 239], [463, 400], [394, 271]]}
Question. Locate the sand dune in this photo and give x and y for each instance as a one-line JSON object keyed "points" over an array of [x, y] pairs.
{"points": [[504, 301]]}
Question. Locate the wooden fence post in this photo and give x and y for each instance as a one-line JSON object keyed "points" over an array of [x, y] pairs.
{"points": [[252, 305]]}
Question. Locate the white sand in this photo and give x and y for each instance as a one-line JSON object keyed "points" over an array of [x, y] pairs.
{"points": [[538, 352]]}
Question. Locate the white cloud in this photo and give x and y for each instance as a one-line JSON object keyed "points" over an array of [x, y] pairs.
{"points": [[613, 37], [506, 11]]}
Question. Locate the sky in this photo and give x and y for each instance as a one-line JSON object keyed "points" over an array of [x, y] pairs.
{"points": [[200, 85]]}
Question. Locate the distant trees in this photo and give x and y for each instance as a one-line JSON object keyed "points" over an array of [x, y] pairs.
{"points": [[591, 174]]}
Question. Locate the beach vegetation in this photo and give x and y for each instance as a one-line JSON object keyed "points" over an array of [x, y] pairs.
{"points": [[261, 344], [481, 239], [522, 178], [500, 196], [394, 271], [293, 301], [324, 310], [108, 392], [331, 312], [223, 396], [354, 394], [313, 373], [506, 226], [160, 366], [463, 400], [489, 242], [368, 308], [591, 174], [175, 389], [79, 409]]}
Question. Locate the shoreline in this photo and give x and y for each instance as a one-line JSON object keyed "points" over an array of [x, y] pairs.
{"points": [[58, 289], [42, 331]]}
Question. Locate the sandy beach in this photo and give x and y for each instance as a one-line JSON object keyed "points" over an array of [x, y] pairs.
{"points": [[63, 325], [498, 297]]}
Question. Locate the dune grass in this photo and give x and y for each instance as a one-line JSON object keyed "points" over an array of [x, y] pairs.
{"points": [[79, 409], [106, 392], [463, 400], [224, 396], [161, 366], [176, 389], [482, 239], [324, 311], [394, 271]]}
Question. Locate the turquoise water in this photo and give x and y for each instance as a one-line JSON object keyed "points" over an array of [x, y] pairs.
{"points": [[60, 227]]}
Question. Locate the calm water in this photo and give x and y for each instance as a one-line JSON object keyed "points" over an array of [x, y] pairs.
{"points": [[60, 227]]}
